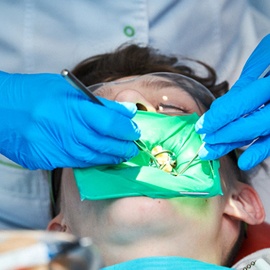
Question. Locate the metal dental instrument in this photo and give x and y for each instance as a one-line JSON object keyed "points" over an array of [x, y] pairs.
{"points": [[265, 73], [195, 156], [79, 86], [141, 145], [82, 88], [193, 193]]}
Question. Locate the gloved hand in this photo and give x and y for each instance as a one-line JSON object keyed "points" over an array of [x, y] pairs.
{"points": [[234, 119], [45, 123]]}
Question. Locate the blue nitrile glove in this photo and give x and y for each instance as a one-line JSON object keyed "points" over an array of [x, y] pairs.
{"points": [[234, 119], [45, 123]]}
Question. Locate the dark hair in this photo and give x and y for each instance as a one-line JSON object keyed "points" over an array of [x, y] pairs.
{"points": [[130, 60]]}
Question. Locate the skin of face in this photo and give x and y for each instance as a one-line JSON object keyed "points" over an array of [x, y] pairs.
{"points": [[136, 227]]}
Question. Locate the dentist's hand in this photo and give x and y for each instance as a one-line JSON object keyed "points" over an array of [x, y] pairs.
{"points": [[234, 119], [45, 123]]}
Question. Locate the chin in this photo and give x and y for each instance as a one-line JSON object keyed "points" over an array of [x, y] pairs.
{"points": [[140, 211]]}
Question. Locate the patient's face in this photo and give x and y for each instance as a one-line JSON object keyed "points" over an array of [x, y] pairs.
{"points": [[129, 228]]}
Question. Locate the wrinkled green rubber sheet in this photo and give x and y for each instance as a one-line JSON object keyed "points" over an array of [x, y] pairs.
{"points": [[138, 176]]}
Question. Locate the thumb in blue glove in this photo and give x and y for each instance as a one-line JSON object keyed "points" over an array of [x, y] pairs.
{"points": [[241, 116], [46, 123]]}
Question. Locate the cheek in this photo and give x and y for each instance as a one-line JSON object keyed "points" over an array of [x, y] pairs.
{"points": [[70, 193], [201, 216], [141, 214], [71, 201], [193, 106], [139, 211], [197, 210]]}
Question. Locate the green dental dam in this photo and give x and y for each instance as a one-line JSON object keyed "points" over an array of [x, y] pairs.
{"points": [[167, 165]]}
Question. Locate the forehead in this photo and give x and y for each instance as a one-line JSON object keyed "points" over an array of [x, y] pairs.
{"points": [[175, 78]]}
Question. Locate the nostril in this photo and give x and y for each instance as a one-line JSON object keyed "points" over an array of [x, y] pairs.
{"points": [[141, 107]]}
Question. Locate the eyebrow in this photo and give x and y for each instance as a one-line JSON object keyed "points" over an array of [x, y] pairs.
{"points": [[159, 84]]}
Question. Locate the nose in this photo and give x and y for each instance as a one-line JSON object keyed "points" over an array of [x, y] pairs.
{"points": [[134, 96]]}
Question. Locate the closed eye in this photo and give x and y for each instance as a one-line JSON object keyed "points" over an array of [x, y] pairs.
{"points": [[171, 109]]}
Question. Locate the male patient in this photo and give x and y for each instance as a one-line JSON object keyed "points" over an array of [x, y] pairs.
{"points": [[208, 229]]}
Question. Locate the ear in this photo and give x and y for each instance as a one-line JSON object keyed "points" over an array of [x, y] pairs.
{"points": [[244, 204], [57, 224]]}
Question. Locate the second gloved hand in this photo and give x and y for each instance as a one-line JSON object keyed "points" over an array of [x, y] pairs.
{"points": [[237, 118], [46, 123]]}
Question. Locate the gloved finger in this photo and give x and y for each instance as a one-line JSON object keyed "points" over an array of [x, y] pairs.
{"points": [[245, 128], [234, 105], [255, 153], [76, 155], [127, 109], [108, 122], [92, 159], [215, 151], [90, 140]]}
